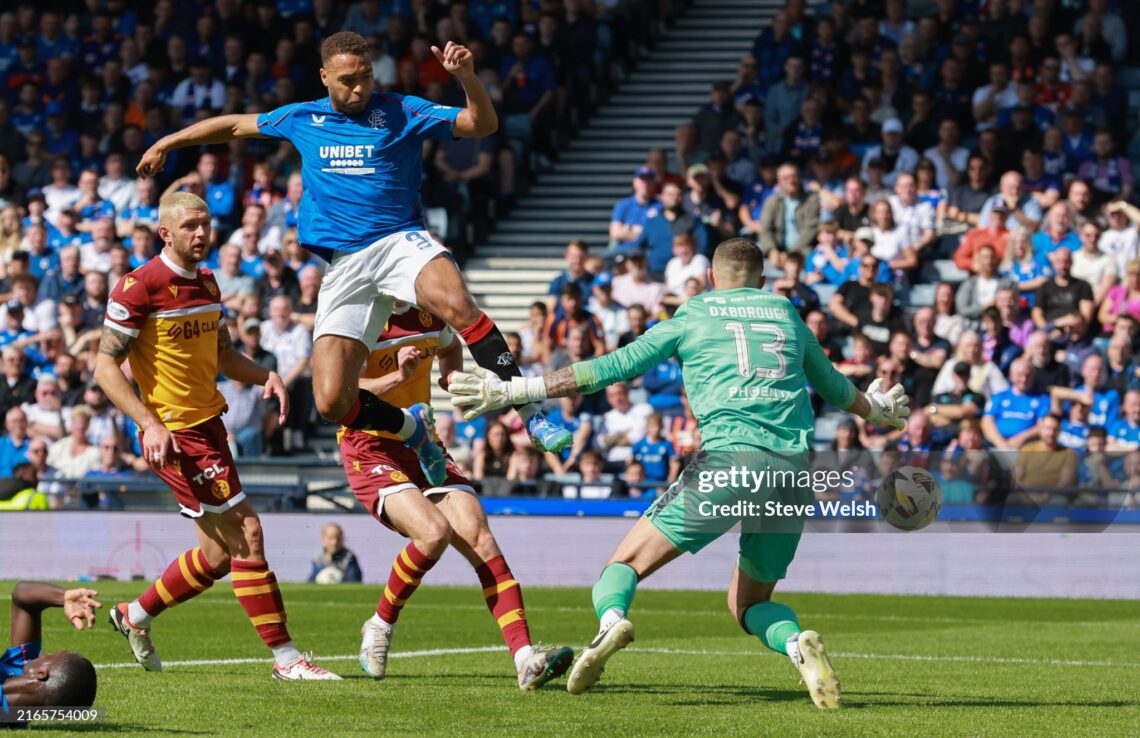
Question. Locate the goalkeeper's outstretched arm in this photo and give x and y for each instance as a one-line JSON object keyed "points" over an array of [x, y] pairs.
{"points": [[480, 392]]}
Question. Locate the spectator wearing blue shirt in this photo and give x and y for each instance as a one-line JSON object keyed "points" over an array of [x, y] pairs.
{"points": [[1075, 429], [1077, 138], [220, 194], [664, 384], [571, 417], [40, 258], [656, 453], [530, 78], [61, 140], [1057, 233], [335, 563], [772, 48], [663, 224], [574, 273], [1010, 418], [14, 445], [1104, 402], [755, 195], [1124, 433], [90, 206], [630, 213], [1045, 187], [64, 280]]}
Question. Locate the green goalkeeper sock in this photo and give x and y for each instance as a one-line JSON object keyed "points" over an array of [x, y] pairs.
{"points": [[773, 623], [615, 589]]}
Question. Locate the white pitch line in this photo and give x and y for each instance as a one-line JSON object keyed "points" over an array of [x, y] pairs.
{"points": [[663, 651], [907, 657], [351, 657]]}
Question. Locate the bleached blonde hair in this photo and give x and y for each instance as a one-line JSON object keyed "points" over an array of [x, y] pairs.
{"points": [[171, 206]]}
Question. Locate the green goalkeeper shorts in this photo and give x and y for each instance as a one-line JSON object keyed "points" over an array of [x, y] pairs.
{"points": [[761, 492]]}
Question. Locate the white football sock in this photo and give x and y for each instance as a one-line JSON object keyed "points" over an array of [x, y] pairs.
{"points": [[522, 655], [409, 426], [381, 621], [793, 647], [139, 617], [286, 654], [609, 617]]}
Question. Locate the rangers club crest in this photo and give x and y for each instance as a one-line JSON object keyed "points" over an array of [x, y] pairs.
{"points": [[376, 118]]}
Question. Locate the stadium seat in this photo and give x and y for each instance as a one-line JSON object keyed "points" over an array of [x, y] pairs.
{"points": [[824, 292], [922, 295], [943, 270]]}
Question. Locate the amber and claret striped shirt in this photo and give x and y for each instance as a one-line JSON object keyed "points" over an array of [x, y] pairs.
{"points": [[174, 316]]}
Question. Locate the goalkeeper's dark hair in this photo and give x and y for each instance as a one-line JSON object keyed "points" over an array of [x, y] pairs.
{"points": [[344, 42], [71, 682], [738, 256]]}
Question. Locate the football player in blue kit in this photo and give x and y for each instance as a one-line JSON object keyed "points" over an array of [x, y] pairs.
{"points": [[361, 211]]}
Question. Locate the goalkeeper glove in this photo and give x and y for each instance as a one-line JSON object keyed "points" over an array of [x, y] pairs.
{"points": [[887, 408], [481, 392]]}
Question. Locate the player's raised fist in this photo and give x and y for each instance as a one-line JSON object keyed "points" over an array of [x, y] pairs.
{"points": [[152, 162], [455, 58]]}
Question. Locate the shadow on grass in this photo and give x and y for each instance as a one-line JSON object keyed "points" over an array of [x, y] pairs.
{"points": [[714, 695], [862, 700]]}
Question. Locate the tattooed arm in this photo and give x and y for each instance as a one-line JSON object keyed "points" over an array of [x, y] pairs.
{"points": [[113, 349], [481, 392]]}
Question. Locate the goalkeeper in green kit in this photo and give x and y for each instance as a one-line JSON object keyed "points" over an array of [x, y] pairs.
{"points": [[745, 356]]}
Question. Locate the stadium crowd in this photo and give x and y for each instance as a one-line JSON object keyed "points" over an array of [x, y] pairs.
{"points": [[942, 190]]}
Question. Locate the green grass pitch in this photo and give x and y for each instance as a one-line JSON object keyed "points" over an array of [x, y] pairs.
{"points": [[911, 666]]}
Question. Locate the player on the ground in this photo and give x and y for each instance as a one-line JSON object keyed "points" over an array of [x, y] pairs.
{"points": [[166, 318], [61, 679], [361, 164], [390, 485], [746, 354]]}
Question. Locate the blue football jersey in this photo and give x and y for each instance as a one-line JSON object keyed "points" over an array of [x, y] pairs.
{"points": [[361, 173], [12, 664]]}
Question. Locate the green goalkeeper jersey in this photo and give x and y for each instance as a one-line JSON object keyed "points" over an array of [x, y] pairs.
{"points": [[746, 357]]}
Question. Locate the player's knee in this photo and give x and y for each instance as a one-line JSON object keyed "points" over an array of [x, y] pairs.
{"points": [[458, 309], [331, 401], [483, 544], [434, 537]]}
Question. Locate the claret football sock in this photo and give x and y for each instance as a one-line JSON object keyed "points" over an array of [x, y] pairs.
{"points": [[255, 587], [186, 577], [614, 590], [407, 571], [773, 623], [504, 599]]}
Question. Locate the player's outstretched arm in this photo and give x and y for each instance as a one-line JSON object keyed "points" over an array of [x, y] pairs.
{"points": [[480, 392], [478, 118], [210, 131], [30, 599]]}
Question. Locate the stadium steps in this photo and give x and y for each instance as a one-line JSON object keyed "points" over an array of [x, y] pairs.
{"points": [[514, 266]]}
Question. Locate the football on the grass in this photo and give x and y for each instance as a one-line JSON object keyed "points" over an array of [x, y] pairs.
{"points": [[909, 498]]}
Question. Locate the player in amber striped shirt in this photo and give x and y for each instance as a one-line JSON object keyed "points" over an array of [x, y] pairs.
{"points": [[386, 478], [165, 318]]}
